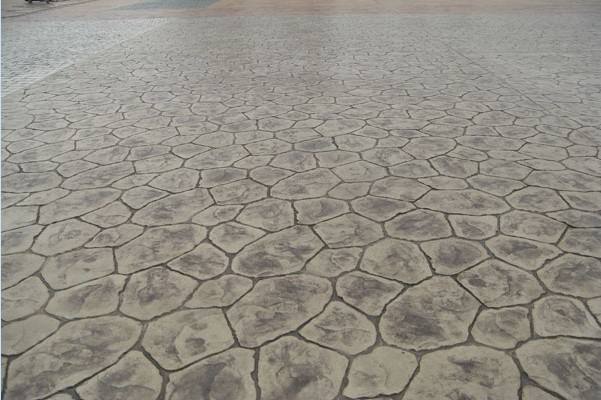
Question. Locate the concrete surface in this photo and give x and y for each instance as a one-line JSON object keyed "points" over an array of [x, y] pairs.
{"points": [[242, 200]]}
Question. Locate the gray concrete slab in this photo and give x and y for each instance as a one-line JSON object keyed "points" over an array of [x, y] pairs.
{"points": [[336, 205]]}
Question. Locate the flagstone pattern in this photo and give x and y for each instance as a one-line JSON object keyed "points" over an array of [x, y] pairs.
{"points": [[302, 208]]}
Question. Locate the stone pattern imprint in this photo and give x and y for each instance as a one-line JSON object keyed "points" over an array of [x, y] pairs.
{"points": [[309, 208]]}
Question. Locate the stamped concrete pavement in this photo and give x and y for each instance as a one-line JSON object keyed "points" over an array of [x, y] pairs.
{"points": [[303, 201]]}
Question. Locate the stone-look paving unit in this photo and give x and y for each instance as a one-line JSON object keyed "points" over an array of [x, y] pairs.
{"points": [[309, 208]]}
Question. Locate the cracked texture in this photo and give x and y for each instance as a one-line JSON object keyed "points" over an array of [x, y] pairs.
{"points": [[303, 207]]}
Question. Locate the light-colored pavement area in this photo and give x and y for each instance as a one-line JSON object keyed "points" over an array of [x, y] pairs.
{"points": [[387, 205], [32, 50]]}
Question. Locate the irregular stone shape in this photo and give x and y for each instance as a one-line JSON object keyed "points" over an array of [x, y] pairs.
{"points": [[90, 299], [585, 241], [278, 253], [23, 299], [380, 209], [354, 142], [414, 169], [217, 158], [274, 124], [116, 236], [569, 367], [22, 335], [366, 292], [305, 185], [471, 227], [429, 147], [432, 314], [502, 169], [444, 183], [220, 176], [276, 306], [78, 266], [220, 292], [335, 127], [268, 214], [240, 192], [305, 371], [160, 163], [530, 392], [595, 307], [531, 226], [155, 291], [386, 156], [140, 196], [564, 180], [584, 201], [158, 245], [268, 147], [17, 217], [16, 267], [587, 136], [23, 182], [419, 225], [298, 161], [72, 168], [468, 201], [78, 350], [268, 175], [540, 164], [40, 153], [332, 262], [178, 180], [134, 377], [63, 236], [451, 256], [183, 337], [313, 211], [232, 236], [524, 132], [136, 180], [330, 159], [224, 376], [216, 214], [10, 199], [306, 139], [503, 328], [454, 167], [349, 191], [552, 153], [114, 214], [109, 155], [204, 262], [495, 185], [577, 219], [490, 142], [349, 230], [341, 328], [573, 275], [536, 199], [396, 259], [173, 209], [498, 284], [399, 188], [494, 118], [385, 370], [99, 177], [360, 171], [465, 372], [19, 240], [560, 315], [526, 254]]}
